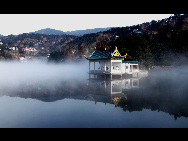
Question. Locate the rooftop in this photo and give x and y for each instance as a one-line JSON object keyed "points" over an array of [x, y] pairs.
{"points": [[106, 54]]}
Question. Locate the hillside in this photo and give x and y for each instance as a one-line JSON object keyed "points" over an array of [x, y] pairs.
{"points": [[161, 42], [32, 45]]}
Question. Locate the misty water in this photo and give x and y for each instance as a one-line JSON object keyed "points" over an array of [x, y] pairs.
{"points": [[45, 95]]}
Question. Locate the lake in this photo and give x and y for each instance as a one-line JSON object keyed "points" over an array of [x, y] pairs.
{"points": [[156, 101]]}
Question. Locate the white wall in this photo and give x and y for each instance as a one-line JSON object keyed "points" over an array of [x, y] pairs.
{"points": [[129, 69], [116, 66], [123, 68]]}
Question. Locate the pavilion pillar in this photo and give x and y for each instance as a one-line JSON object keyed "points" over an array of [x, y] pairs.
{"points": [[131, 67], [110, 66], [138, 67], [104, 66]]}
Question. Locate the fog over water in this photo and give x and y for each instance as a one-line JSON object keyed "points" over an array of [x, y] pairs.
{"points": [[41, 94], [14, 73]]}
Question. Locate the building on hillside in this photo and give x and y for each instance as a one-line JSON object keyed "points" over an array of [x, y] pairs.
{"points": [[106, 63], [13, 48]]}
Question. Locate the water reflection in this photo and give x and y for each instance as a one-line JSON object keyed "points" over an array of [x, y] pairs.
{"points": [[134, 94], [113, 90]]}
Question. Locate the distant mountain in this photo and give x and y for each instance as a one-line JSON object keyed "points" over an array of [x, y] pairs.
{"points": [[87, 31], [49, 31]]}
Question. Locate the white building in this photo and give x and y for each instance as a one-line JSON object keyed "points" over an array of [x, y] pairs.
{"points": [[107, 63]]}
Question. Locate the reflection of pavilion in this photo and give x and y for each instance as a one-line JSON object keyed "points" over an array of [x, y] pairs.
{"points": [[112, 89]]}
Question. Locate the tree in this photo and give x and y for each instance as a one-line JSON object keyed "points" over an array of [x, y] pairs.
{"points": [[102, 45], [56, 56], [137, 49], [82, 50]]}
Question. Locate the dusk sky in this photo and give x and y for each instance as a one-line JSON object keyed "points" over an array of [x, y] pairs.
{"points": [[23, 23]]}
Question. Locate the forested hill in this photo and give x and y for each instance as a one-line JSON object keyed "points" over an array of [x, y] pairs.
{"points": [[161, 42]]}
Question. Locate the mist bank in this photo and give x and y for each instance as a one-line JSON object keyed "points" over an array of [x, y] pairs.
{"points": [[173, 80], [13, 73]]}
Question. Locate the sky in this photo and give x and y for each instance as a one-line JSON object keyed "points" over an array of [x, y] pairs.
{"points": [[24, 23]]}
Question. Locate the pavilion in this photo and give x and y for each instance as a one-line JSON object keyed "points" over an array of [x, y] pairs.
{"points": [[106, 63]]}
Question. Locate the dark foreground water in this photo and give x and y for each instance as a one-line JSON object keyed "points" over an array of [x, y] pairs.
{"points": [[159, 100]]}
